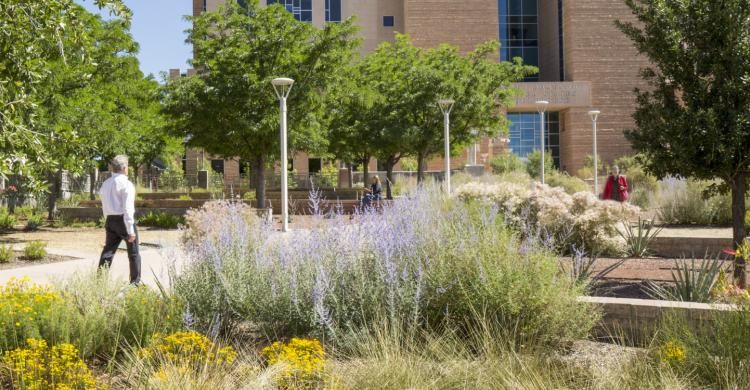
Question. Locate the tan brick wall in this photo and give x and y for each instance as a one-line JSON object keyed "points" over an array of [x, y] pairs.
{"points": [[596, 51], [464, 23]]}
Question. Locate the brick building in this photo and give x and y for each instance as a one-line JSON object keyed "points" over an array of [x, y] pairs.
{"points": [[585, 63]]}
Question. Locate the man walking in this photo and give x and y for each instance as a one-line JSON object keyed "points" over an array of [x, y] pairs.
{"points": [[118, 203]]}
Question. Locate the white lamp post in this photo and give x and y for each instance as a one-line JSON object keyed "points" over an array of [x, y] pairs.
{"points": [[282, 86], [541, 106], [594, 114], [445, 106]]}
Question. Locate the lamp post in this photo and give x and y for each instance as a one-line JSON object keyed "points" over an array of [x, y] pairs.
{"points": [[594, 114], [541, 106], [445, 106], [282, 86]]}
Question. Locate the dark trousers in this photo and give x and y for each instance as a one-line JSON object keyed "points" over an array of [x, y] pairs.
{"points": [[116, 233]]}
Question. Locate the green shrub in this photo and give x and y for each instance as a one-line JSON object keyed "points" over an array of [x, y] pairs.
{"points": [[713, 353], [92, 311], [681, 202], [587, 171], [7, 254], [571, 184], [638, 180], [328, 177], [161, 220], [747, 220], [35, 250], [506, 163], [33, 222], [7, 221], [409, 164], [185, 197], [248, 195], [533, 167], [172, 180]]}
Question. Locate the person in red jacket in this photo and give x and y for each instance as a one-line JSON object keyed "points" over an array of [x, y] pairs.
{"points": [[616, 187]]}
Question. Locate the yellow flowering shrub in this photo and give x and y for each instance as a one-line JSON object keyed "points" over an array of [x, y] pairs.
{"points": [[672, 352], [38, 367], [22, 307], [186, 352], [302, 360]]}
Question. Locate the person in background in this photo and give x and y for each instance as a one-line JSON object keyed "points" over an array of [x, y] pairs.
{"points": [[372, 193], [118, 203], [616, 187]]}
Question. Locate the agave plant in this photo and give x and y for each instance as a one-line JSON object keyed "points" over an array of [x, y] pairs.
{"points": [[582, 268], [638, 238], [693, 281]]}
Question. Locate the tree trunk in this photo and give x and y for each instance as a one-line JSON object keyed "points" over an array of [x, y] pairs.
{"points": [[739, 188], [421, 166], [93, 176], [350, 175], [366, 171], [389, 179], [54, 192], [260, 181]]}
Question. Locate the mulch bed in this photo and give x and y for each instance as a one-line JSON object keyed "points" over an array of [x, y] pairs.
{"points": [[20, 261]]}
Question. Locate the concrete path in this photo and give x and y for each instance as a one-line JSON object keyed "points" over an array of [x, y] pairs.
{"points": [[159, 252]]}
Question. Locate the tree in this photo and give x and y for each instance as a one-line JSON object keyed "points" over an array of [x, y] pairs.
{"points": [[95, 103], [230, 109], [393, 103], [694, 119], [31, 36]]}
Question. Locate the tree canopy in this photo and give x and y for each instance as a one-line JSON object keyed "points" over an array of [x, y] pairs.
{"points": [[694, 119], [230, 109]]}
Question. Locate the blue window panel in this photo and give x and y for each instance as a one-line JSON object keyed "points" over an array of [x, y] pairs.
{"points": [[525, 130], [519, 31], [388, 21], [333, 10], [301, 9]]}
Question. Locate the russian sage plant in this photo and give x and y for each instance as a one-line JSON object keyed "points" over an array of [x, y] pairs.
{"points": [[420, 263]]}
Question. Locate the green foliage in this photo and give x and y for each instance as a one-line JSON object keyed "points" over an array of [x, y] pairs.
{"points": [[683, 202], [506, 163], [7, 254], [257, 44], [161, 219], [328, 177], [33, 222], [692, 282], [533, 167], [408, 164], [91, 311], [570, 184], [248, 195], [35, 250], [714, 350], [692, 117], [7, 220], [587, 171], [184, 197], [638, 238], [172, 180]]}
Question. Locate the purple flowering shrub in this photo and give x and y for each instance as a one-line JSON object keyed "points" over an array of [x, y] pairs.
{"points": [[424, 263]]}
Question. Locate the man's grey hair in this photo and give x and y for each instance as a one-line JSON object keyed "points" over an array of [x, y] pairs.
{"points": [[119, 163]]}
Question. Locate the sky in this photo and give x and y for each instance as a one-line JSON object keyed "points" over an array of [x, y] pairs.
{"points": [[158, 26]]}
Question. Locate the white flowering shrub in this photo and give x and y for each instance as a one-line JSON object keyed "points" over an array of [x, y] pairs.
{"points": [[549, 213]]}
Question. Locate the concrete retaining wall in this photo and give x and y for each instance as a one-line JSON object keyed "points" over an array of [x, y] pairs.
{"points": [[689, 247], [636, 320]]}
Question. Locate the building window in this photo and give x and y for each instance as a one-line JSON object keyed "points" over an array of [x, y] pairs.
{"points": [[519, 32], [525, 131], [205, 6], [301, 9], [388, 21], [314, 165], [217, 166], [333, 11]]}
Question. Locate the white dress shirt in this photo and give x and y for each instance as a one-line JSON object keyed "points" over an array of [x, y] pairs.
{"points": [[118, 198]]}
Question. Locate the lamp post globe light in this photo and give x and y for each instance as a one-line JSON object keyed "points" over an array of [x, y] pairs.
{"points": [[445, 106], [282, 86], [541, 106], [594, 114]]}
